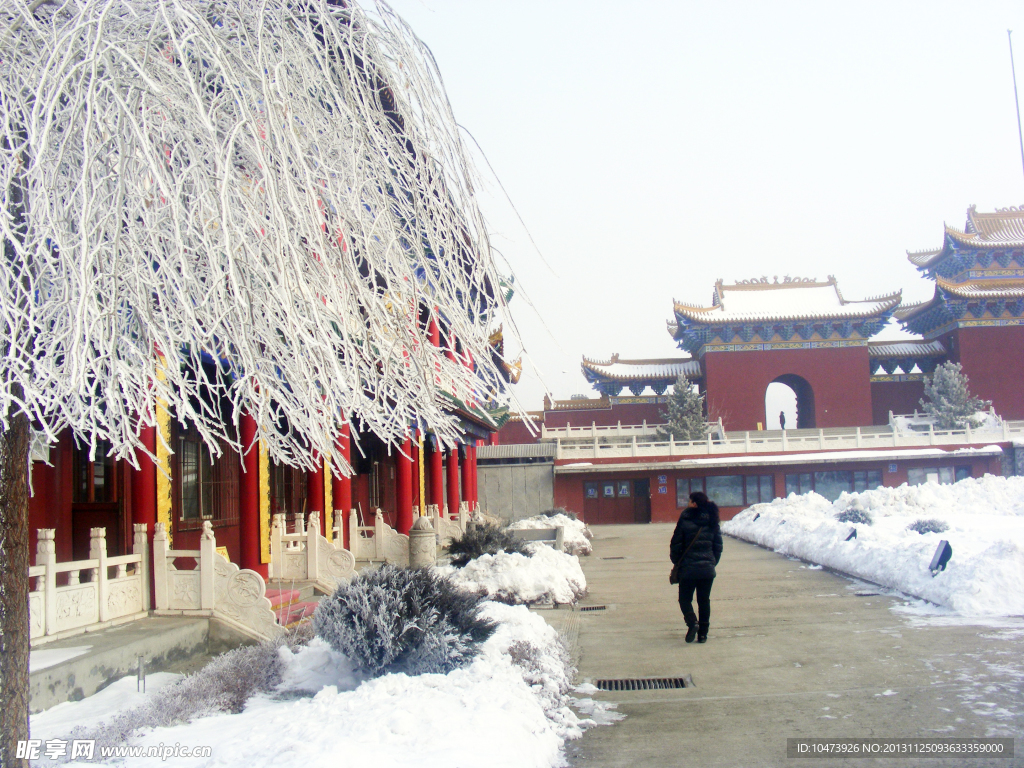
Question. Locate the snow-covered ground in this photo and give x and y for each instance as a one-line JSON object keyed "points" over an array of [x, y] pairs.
{"points": [[545, 576], [985, 529], [509, 707], [576, 535]]}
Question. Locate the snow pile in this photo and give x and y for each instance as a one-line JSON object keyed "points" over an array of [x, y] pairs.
{"points": [[982, 421], [507, 708], [544, 576], [985, 519], [576, 534]]}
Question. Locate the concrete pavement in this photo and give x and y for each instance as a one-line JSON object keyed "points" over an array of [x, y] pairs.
{"points": [[793, 652]]}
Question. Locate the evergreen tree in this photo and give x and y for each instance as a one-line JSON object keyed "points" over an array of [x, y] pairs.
{"points": [[684, 418], [948, 399]]}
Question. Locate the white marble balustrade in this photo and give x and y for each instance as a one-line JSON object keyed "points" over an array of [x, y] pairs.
{"points": [[96, 593]]}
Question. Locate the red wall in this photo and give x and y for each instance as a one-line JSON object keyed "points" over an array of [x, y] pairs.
{"points": [[628, 414], [517, 433], [993, 359], [568, 493], [569, 487], [900, 397], [840, 378], [49, 506]]}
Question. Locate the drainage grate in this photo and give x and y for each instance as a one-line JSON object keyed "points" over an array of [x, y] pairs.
{"points": [[593, 607], [619, 557], [644, 684]]}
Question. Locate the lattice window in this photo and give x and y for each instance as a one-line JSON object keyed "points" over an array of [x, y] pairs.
{"points": [[206, 487], [94, 481], [287, 490]]}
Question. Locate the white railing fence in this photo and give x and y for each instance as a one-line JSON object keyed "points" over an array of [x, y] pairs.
{"points": [[375, 543], [305, 555], [99, 592], [446, 527], [215, 587], [804, 440], [644, 430]]}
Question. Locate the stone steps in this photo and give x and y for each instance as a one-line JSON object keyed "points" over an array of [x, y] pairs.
{"points": [[293, 603]]}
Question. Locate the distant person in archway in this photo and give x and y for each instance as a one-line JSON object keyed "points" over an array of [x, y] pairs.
{"points": [[695, 551], [782, 419]]}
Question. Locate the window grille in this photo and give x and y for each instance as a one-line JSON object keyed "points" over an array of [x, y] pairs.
{"points": [[207, 486]]}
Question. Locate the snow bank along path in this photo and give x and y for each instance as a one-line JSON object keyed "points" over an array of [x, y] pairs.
{"points": [[495, 711], [545, 576], [985, 519], [576, 534]]}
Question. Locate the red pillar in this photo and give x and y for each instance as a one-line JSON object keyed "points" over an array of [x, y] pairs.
{"points": [[341, 487], [249, 500], [452, 470], [436, 467], [475, 495], [403, 486], [450, 350], [464, 471], [315, 491], [144, 492], [416, 459]]}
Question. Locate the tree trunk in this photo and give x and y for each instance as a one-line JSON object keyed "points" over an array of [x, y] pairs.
{"points": [[14, 563]]}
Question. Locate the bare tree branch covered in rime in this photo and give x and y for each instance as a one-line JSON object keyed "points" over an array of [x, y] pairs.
{"points": [[277, 190], [227, 207]]}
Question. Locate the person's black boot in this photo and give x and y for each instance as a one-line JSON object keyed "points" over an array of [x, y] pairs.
{"points": [[691, 632], [702, 633]]}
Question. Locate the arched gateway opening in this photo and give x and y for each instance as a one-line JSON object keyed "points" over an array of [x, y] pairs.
{"points": [[791, 396]]}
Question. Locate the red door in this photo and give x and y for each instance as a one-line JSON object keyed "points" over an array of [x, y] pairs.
{"points": [[97, 501]]}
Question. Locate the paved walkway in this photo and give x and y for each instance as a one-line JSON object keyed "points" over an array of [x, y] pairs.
{"points": [[793, 652]]}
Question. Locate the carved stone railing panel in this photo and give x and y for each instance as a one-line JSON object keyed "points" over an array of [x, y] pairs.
{"points": [[448, 529], [361, 545], [307, 556], [77, 606], [98, 591], [216, 588], [392, 546]]}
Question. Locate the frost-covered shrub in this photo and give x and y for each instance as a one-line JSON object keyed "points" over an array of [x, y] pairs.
{"points": [[483, 540], [854, 516], [403, 620], [223, 685], [927, 526]]}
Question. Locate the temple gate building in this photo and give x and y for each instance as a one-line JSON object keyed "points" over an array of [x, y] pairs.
{"points": [[856, 395]]}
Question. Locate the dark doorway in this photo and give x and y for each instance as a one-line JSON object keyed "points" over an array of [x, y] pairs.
{"points": [[97, 501], [641, 501]]}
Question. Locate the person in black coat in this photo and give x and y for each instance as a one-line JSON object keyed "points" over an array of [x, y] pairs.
{"points": [[696, 549]]}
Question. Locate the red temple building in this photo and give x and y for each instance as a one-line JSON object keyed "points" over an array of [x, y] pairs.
{"points": [[976, 312], [610, 464]]}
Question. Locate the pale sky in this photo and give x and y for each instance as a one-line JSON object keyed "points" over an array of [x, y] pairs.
{"points": [[653, 148]]}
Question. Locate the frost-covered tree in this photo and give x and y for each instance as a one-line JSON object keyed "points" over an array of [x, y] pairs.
{"points": [[948, 399], [684, 417], [261, 203]]}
